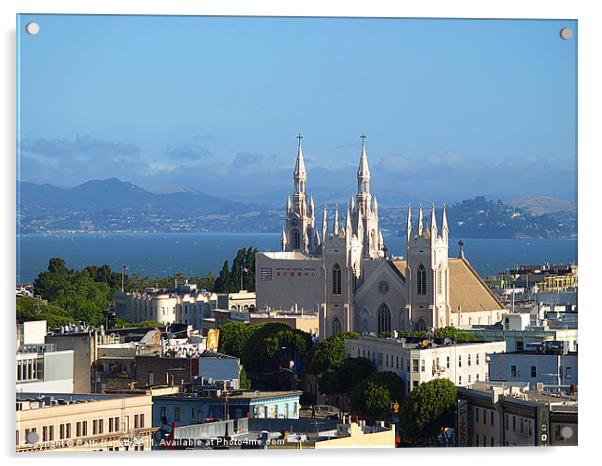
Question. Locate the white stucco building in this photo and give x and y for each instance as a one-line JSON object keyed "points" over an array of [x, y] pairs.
{"points": [[418, 361], [343, 270]]}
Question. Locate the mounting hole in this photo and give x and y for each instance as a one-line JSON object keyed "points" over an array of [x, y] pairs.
{"points": [[32, 28], [566, 33]]}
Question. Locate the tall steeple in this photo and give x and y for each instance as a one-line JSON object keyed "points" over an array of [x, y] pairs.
{"points": [[363, 173], [444, 227], [420, 221], [325, 225], [433, 223], [409, 223], [335, 226], [300, 175], [299, 229]]}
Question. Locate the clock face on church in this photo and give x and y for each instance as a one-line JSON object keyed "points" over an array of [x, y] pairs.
{"points": [[383, 287], [294, 222]]}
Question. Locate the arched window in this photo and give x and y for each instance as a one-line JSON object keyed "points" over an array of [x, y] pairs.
{"points": [[384, 318], [421, 280], [336, 279], [439, 281], [421, 325], [296, 240], [336, 326]]}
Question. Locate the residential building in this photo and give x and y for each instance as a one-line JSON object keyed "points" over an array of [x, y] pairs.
{"points": [[493, 414], [550, 364], [242, 301], [202, 403], [418, 360], [184, 304], [91, 422], [518, 332], [39, 366]]}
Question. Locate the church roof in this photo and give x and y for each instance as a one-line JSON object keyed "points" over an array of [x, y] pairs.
{"points": [[399, 266], [468, 290]]}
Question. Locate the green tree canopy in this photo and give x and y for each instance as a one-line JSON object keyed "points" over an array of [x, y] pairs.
{"points": [[428, 409], [233, 337], [329, 353], [340, 381], [268, 352], [364, 399]]}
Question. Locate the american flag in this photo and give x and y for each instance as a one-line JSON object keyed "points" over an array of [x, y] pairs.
{"points": [[266, 274], [125, 268]]}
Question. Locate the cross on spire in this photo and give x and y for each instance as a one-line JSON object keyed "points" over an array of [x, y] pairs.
{"points": [[363, 138], [299, 137]]}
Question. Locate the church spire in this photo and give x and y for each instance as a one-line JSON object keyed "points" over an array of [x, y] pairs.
{"points": [[300, 174], [325, 225], [409, 223], [363, 172], [348, 228], [311, 206], [336, 220], [444, 227], [420, 221], [288, 203], [283, 240], [433, 223]]}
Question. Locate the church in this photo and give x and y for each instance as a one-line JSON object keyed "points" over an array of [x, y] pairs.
{"points": [[341, 269]]}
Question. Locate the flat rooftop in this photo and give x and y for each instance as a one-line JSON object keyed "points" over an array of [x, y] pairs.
{"points": [[416, 342], [250, 395]]}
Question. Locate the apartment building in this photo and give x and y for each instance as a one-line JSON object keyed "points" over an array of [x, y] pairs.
{"points": [[83, 422], [418, 360]]}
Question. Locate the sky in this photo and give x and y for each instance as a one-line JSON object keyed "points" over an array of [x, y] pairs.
{"points": [[452, 109]]}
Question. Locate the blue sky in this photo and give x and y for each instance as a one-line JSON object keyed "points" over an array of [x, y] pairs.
{"points": [[452, 108]]}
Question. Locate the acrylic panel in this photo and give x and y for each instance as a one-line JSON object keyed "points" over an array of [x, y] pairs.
{"points": [[295, 232]]}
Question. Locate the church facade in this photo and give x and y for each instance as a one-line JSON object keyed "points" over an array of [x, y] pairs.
{"points": [[342, 269]]}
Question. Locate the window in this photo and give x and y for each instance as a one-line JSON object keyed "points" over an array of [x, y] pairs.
{"points": [[460, 361], [513, 423], [142, 421], [84, 428], [336, 279], [422, 365], [469, 378], [110, 424], [484, 440], [439, 281], [477, 440], [44, 433], [336, 326], [448, 362], [78, 429], [177, 413], [513, 371], [476, 415], [469, 360], [492, 442], [477, 359], [296, 240], [414, 365], [519, 346], [415, 383], [380, 360], [459, 380], [421, 280], [533, 371], [492, 416], [384, 318]]}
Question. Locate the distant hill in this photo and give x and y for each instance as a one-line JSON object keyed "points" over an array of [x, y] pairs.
{"points": [[482, 218], [112, 195], [113, 205], [540, 205]]}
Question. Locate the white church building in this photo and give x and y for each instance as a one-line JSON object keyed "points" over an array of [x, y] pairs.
{"points": [[344, 273]]}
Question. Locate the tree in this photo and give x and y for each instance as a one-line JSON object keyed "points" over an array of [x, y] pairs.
{"points": [[344, 378], [233, 337], [245, 382], [223, 280], [364, 399], [269, 350], [377, 402], [329, 353], [428, 409]]}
